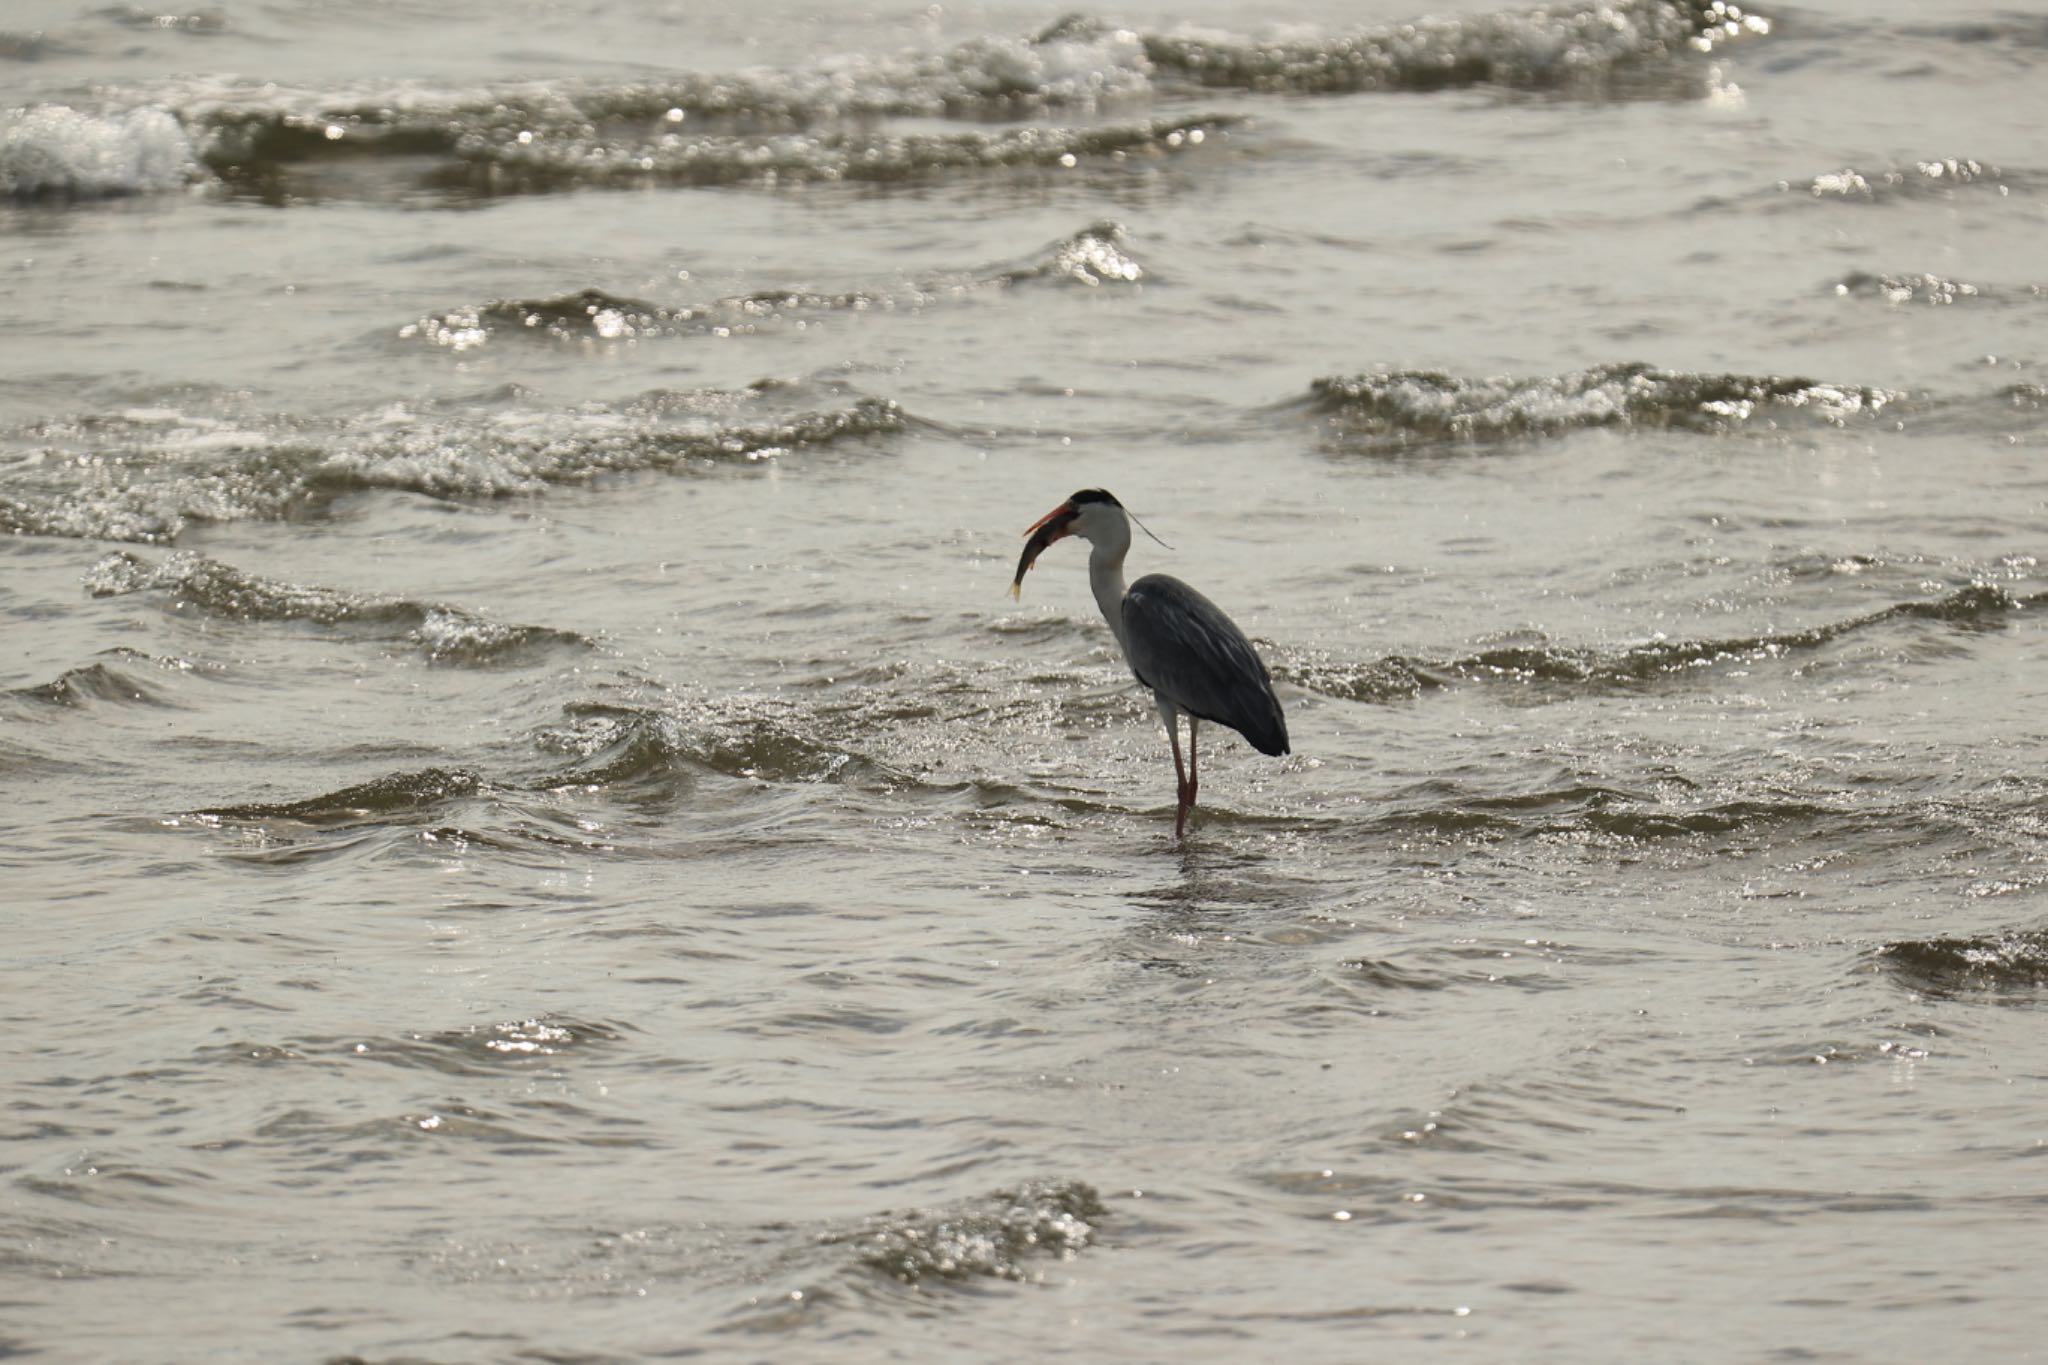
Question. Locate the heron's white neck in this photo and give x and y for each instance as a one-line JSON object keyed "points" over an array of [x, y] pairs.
{"points": [[1106, 577]]}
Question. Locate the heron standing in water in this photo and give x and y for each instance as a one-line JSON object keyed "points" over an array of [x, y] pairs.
{"points": [[1178, 643]]}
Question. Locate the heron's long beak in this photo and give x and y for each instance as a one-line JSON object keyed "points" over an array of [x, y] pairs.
{"points": [[1043, 532]]}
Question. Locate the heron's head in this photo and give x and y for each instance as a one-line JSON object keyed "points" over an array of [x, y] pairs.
{"points": [[1092, 514]]}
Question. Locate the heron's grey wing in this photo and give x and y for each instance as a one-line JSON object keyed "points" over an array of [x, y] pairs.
{"points": [[1181, 645]]}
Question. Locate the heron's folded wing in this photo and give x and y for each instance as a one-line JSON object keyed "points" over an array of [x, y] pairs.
{"points": [[1181, 645]]}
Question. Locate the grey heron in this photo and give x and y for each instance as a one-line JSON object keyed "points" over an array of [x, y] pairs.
{"points": [[1177, 642]]}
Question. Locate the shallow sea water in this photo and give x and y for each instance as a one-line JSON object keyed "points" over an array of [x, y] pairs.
{"points": [[532, 830]]}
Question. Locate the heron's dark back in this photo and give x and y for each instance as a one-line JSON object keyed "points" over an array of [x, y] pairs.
{"points": [[1182, 646]]}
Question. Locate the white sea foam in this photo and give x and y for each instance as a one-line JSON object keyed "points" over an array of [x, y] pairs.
{"points": [[55, 149]]}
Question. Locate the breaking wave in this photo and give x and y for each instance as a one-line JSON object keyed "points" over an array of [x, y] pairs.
{"points": [[143, 478], [528, 452], [636, 756], [1095, 256], [1974, 605], [1908, 288], [648, 753], [1576, 668], [1403, 407], [400, 795], [446, 634], [1940, 177], [494, 166], [2009, 962], [52, 151], [478, 1050], [1080, 86], [1586, 48], [93, 684], [996, 1237]]}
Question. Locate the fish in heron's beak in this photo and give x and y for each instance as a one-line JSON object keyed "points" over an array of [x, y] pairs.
{"points": [[1048, 528]]}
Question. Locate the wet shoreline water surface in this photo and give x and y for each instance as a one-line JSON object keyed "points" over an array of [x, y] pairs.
{"points": [[532, 828]]}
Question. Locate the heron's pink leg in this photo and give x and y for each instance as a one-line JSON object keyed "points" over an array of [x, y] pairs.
{"points": [[1182, 800]]}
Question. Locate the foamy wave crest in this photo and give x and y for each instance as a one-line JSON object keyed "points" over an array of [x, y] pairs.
{"points": [[1083, 89], [392, 798], [1096, 256], [1571, 670], [994, 1237], [813, 123], [1396, 407], [55, 150], [2011, 962], [1068, 67], [1921, 288], [644, 753], [525, 453], [445, 633], [1937, 177], [508, 161], [1580, 47], [144, 477], [1075, 67]]}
